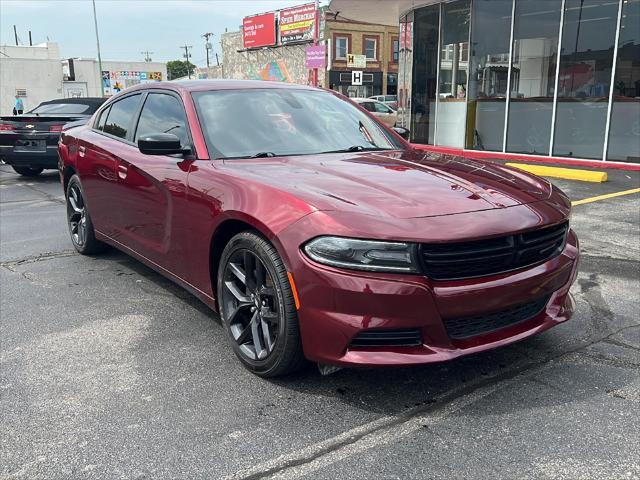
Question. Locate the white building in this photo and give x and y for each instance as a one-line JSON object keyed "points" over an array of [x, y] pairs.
{"points": [[38, 73]]}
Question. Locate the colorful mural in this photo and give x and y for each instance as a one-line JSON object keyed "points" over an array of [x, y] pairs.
{"points": [[115, 82], [275, 71]]}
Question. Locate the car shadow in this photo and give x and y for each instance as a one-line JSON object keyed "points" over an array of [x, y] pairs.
{"points": [[412, 390]]}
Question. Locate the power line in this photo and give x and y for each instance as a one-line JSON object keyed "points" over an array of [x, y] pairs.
{"points": [[147, 55]]}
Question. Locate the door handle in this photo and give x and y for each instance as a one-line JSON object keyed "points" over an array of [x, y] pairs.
{"points": [[122, 171], [81, 151]]}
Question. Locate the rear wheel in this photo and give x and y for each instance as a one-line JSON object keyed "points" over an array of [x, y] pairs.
{"points": [[81, 229], [28, 171], [258, 308]]}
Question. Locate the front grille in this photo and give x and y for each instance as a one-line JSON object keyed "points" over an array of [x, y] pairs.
{"points": [[455, 261], [462, 328], [408, 337]]}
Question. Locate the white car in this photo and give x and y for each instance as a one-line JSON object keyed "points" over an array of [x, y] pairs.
{"points": [[389, 100], [384, 113]]}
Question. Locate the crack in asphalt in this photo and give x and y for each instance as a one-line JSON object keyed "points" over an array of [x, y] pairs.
{"points": [[41, 257], [47, 195], [288, 462]]}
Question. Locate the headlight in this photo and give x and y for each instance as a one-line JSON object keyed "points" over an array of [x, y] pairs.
{"points": [[357, 254]]}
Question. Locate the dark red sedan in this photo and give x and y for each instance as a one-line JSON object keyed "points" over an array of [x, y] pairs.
{"points": [[316, 232]]}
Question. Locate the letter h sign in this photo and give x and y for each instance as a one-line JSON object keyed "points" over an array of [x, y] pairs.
{"points": [[356, 78]]}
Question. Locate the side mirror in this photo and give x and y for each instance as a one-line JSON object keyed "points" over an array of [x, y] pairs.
{"points": [[403, 132], [161, 144]]}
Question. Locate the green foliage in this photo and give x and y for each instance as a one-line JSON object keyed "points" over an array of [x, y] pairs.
{"points": [[179, 68]]}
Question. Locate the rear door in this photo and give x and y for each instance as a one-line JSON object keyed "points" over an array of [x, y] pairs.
{"points": [[99, 151], [152, 188]]}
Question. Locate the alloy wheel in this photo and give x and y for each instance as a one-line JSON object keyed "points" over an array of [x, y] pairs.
{"points": [[250, 304], [77, 214]]}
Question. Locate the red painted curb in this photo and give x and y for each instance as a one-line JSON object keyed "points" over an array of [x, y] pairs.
{"points": [[528, 158]]}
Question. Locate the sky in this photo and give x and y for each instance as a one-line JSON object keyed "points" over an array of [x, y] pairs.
{"points": [[129, 27]]}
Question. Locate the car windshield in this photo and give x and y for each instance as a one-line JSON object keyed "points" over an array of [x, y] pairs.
{"points": [[63, 108], [282, 122]]}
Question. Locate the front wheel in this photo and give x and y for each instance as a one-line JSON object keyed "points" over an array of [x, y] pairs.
{"points": [[81, 229], [257, 307], [28, 171]]}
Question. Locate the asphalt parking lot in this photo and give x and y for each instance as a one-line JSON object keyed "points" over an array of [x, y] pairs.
{"points": [[110, 371]]}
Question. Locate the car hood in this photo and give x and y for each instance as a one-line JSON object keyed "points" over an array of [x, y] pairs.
{"points": [[399, 184]]}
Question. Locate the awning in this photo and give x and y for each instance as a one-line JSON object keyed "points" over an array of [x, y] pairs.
{"points": [[384, 12]]}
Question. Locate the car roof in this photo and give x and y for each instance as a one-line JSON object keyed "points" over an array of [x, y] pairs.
{"points": [[204, 85], [92, 101]]}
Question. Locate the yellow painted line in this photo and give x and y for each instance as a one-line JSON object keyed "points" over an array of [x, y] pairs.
{"points": [[604, 197], [566, 173]]}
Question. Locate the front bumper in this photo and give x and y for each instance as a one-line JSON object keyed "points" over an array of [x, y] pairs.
{"points": [[335, 306]]}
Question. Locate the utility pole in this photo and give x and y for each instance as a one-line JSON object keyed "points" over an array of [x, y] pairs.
{"points": [[207, 45], [95, 22], [147, 55], [30, 41], [187, 55]]}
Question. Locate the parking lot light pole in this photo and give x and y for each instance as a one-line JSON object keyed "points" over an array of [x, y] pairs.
{"points": [[95, 22]]}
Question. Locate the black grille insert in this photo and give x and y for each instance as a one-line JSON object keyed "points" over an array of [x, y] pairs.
{"points": [[408, 337], [455, 261], [463, 328]]}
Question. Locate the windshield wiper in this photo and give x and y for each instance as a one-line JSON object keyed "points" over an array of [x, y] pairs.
{"points": [[263, 155], [357, 148]]}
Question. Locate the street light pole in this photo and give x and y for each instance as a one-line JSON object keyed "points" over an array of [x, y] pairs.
{"points": [[95, 22]]}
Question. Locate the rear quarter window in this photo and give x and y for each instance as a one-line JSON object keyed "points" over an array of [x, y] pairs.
{"points": [[102, 119]]}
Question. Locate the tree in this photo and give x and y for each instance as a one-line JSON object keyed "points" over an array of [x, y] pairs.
{"points": [[179, 68]]}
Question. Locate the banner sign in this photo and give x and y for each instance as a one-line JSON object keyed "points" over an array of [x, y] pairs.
{"points": [[356, 61], [316, 56], [297, 23], [259, 30]]}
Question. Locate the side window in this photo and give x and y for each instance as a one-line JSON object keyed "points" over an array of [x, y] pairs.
{"points": [[120, 119], [381, 108], [102, 119], [163, 114], [368, 106]]}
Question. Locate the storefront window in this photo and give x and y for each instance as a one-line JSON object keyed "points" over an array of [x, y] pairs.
{"points": [[624, 132], [585, 75], [454, 65], [425, 63], [535, 49], [490, 34]]}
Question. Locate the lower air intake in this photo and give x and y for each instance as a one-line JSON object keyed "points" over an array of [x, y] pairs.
{"points": [[463, 328], [388, 338]]}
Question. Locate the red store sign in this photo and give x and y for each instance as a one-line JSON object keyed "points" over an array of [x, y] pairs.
{"points": [[259, 30]]}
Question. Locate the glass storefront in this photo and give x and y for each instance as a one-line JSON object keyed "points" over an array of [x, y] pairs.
{"points": [[542, 77], [624, 133]]}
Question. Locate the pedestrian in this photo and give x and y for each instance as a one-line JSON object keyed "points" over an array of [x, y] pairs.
{"points": [[19, 107]]}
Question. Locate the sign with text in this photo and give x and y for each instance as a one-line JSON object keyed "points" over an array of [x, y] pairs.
{"points": [[316, 57], [297, 24], [356, 78], [356, 61], [259, 30]]}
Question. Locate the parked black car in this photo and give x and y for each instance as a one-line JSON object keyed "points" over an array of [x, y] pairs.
{"points": [[29, 142]]}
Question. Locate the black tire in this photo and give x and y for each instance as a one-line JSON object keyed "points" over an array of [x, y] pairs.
{"points": [[28, 171], [81, 229], [252, 305]]}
